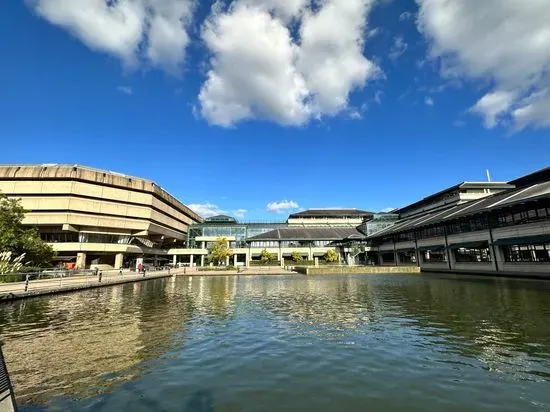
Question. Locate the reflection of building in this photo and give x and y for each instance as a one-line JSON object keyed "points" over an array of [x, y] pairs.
{"points": [[95, 216], [491, 227]]}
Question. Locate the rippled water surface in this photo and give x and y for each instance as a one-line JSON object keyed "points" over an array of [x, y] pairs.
{"points": [[294, 343]]}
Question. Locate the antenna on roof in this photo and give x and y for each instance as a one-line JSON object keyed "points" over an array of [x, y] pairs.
{"points": [[488, 176]]}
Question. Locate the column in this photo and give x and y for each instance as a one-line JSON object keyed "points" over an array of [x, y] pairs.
{"points": [[247, 259], [452, 258], [191, 261], [227, 261], [282, 261], [380, 258], [316, 262], [174, 260], [202, 260], [81, 260], [119, 258], [235, 259]]}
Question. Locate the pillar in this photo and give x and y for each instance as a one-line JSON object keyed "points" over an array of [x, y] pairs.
{"points": [[119, 258], [191, 261], [282, 261], [202, 260], [247, 259], [316, 262], [380, 258], [174, 260], [227, 261], [81, 260], [235, 259]]}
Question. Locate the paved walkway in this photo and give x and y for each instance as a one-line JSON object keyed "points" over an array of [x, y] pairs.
{"points": [[16, 290]]}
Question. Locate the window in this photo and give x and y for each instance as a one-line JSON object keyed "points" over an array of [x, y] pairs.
{"points": [[434, 256], [537, 253], [472, 255]]}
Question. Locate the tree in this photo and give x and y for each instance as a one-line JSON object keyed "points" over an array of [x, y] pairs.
{"points": [[267, 257], [21, 240], [219, 251], [297, 256], [331, 256]]}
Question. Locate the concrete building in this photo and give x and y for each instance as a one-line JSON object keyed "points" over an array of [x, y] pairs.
{"points": [[98, 218], [506, 231]]}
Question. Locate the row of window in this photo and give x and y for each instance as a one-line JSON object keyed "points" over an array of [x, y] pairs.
{"points": [[472, 255], [473, 224], [527, 253], [84, 238], [523, 216]]}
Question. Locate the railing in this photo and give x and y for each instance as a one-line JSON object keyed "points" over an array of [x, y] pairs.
{"points": [[7, 398]]}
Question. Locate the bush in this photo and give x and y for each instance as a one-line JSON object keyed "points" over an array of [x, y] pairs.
{"points": [[260, 263]]}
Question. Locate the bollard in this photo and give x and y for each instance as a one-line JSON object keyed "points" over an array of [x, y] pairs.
{"points": [[120, 272], [27, 283], [100, 275], [143, 272]]}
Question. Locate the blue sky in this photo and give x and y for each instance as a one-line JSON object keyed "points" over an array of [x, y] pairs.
{"points": [[346, 103]]}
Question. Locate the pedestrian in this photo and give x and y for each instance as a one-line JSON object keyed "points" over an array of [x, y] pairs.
{"points": [[140, 267]]}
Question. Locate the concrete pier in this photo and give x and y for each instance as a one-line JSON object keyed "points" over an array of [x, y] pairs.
{"points": [[16, 290]]}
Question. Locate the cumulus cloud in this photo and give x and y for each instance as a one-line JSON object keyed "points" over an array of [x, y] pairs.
{"points": [[284, 61], [504, 42], [131, 30], [428, 101], [206, 209], [125, 89], [282, 206]]}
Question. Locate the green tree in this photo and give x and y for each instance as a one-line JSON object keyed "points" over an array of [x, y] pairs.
{"points": [[19, 239], [267, 257], [297, 256], [219, 251], [331, 256]]}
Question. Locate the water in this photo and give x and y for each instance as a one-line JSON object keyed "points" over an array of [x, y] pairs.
{"points": [[292, 343]]}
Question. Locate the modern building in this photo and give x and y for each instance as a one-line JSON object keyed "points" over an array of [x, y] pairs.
{"points": [[329, 218], [96, 217], [504, 228]]}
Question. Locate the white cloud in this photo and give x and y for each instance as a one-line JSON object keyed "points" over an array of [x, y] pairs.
{"points": [[239, 213], [287, 80], [206, 209], [493, 105], [387, 210], [125, 89], [428, 101], [132, 30], [378, 96], [282, 206], [398, 47], [502, 41], [406, 15]]}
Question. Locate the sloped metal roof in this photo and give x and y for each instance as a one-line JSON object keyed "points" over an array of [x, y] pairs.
{"points": [[314, 233]]}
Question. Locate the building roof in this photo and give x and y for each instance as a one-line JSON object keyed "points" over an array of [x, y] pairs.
{"points": [[542, 175], [457, 187], [331, 213], [220, 219], [314, 233], [496, 201]]}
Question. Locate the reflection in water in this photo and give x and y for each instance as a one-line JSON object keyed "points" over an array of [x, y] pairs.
{"points": [[284, 343]]}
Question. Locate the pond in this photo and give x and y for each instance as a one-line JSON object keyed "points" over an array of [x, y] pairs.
{"points": [[285, 343]]}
